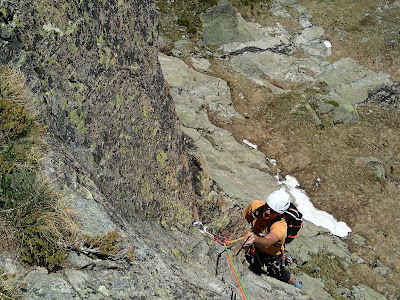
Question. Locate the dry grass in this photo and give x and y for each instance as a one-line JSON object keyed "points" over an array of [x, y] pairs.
{"points": [[36, 225], [10, 286], [13, 87]]}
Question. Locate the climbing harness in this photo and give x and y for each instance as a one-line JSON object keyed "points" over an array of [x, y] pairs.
{"points": [[223, 241]]}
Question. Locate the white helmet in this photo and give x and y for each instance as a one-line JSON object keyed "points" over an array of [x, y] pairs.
{"points": [[279, 201]]}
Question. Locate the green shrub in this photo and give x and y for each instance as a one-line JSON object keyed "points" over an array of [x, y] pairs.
{"points": [[208, 3], [38, 247], [109, 245], [14, 122], [183, 21], [247, 2], [192, 30]]}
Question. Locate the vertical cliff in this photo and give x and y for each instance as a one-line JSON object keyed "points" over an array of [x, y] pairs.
{"points": [[94, 75]]}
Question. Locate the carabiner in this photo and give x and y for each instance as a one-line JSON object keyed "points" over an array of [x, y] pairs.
{"points": [[200, 226]]}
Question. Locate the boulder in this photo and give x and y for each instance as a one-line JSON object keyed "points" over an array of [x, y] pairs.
{"points": [[346, 114], [349, 82], [222, 24], [386, 96]]}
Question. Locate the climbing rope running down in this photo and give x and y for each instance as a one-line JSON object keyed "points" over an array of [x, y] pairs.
{"points": [[223, 241]]}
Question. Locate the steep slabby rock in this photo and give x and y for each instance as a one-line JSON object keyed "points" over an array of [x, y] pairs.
{"points": [[93, 71]]}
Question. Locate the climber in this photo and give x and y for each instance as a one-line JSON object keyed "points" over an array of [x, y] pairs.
{"points": [[265, 248]]}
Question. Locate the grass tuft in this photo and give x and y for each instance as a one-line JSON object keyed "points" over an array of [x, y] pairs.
{"points": [[10, 286], [37, 227], [106, 246]]}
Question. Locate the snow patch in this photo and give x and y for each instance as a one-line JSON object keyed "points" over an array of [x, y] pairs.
{"points": [[310, 213], [328, 44], [250, 144]]}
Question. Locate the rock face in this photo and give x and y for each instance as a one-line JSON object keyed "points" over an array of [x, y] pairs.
{"points": [[117, 152], [264, 60], [94, 75], [238, 169]]}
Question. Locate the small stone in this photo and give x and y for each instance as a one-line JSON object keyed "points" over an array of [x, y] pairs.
{"points": [[325, 107], [359, 240], [79, 260], [316, 270], [317, 121], [201, 64], [102, 289]]}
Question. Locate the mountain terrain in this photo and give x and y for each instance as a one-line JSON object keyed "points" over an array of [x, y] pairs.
{"points": [[344, 158], [139, 110]]}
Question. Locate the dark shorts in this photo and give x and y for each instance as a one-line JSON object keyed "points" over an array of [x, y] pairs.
{"points": [[272, 265]]}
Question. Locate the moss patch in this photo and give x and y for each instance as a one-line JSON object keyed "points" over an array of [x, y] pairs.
{"points": [[162, 158]]}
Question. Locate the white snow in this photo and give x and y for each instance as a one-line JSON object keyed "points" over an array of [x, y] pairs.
{"points": [[250, 144], [328, 44], [310, 213]]}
